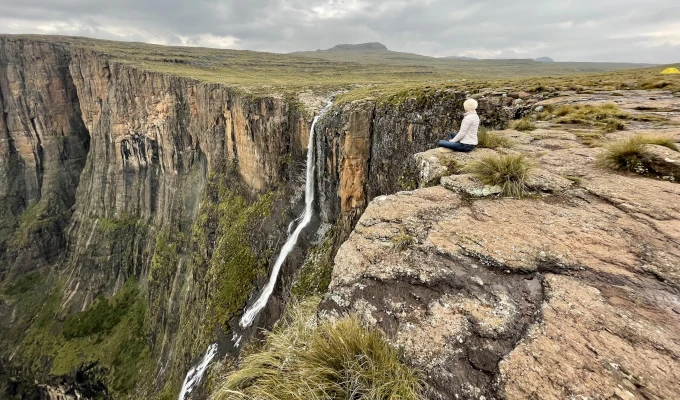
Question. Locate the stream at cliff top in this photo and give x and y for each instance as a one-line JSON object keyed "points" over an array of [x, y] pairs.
{"points": [[195, 374]]}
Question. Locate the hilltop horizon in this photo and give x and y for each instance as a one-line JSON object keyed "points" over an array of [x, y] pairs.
{"points": [[377, 46]]}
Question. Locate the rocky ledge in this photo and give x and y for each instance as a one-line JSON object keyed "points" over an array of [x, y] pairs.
{"points": [[572, 292]]}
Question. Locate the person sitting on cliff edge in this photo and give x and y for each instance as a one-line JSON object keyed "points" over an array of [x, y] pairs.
{"points": [[466, 138]]}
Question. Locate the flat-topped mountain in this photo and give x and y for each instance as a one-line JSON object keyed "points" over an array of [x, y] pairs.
{"points": [[458, 58], [361, 46]]}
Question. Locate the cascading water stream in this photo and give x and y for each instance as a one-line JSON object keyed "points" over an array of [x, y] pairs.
{"points": [[196, 373], [261, 302]]}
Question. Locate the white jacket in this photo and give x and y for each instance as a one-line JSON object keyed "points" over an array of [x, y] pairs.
{"points": [[468, 129]]}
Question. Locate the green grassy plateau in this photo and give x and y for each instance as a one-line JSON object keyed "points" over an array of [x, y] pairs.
{"points": [[367, 73]]}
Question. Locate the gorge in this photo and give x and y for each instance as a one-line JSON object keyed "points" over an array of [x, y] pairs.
{"points": [[147, 215], [140, 200]]}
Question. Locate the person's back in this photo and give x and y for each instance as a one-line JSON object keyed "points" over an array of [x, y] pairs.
{"points": [[466, 138]]}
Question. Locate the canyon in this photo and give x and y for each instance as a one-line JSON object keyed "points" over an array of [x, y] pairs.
{"points": [[141, 212]]}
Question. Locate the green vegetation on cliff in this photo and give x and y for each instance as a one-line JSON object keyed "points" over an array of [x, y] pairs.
{"points": [[234, 265], [315, 275], [304, 358], [111, 334]]}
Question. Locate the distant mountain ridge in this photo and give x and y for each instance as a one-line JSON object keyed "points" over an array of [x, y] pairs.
{"points": [[378, 53], [360, 46], [458, 58]]}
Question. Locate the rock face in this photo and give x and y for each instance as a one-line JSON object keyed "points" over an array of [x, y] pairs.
{"points": [[43, 148], [365, 149], [573, 292], [110, 174]]}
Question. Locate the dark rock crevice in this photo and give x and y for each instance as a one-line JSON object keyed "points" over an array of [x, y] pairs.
{"points": [[466, 367]]}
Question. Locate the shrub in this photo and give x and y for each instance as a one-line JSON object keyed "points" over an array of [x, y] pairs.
{"points": [[510, 172], [655, 84], [492, 140], [626, 155], [523, 125], [304, 359]]}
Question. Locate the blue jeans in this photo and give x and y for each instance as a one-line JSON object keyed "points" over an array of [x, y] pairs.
{"points": [[466, 148]]}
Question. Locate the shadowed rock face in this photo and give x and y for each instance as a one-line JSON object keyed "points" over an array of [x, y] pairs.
{"points": [[99, 159], [43, 148]]}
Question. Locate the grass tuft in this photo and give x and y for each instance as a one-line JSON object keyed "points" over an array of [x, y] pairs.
{"points": [[523, 125], [659, 140], [492, 140], [510, 172], [608, 117], [628, 155], [304, 359], [402, 240]]}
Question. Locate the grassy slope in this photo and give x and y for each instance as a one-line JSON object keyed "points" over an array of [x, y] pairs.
{"points": [[388, 72]]}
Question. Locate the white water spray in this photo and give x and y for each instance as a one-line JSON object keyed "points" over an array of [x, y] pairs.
{"points": [[261, 302], [195, 374]]}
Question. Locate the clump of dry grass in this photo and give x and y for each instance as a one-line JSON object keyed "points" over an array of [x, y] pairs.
{"points": [[511, 172], [523, 125], [304, 359], [659, 140], [630, 155], [402, 240], [492, 140], [608, 117]]}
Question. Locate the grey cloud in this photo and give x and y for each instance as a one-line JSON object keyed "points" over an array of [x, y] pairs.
{"points": [[582, 30]]}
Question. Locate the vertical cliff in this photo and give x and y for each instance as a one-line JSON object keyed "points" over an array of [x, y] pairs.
{"points": [[149, 205], [365, 147], [43, 147], [141, 211]]}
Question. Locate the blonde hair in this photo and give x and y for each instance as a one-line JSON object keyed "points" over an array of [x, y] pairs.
{"points": [[470, 104]]}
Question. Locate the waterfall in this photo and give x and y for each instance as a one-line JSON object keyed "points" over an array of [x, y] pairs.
{"points": [[261, 302], [195, 374]]}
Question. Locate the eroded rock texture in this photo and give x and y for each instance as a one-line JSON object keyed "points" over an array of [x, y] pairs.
{"points": [[573, 292], [43, 148], [105, 168]]}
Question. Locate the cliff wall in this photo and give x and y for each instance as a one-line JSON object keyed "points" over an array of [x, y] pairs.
{"points": [[141, 211]]}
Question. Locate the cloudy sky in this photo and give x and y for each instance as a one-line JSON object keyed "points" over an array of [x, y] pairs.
{"points": [[567, 30]]}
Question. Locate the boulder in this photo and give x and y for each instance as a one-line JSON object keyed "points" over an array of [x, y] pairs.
{"points": [[519, 95], [436, 163], [665, 162], [542, 180]]}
